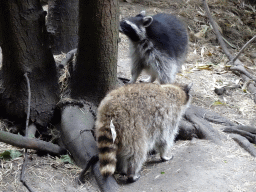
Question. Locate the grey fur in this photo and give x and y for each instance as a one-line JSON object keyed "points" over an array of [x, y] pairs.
{"points": [[158, 45], [145, 117]]}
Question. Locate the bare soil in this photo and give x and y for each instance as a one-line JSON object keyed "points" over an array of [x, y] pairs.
{"points": [[198, 165]]}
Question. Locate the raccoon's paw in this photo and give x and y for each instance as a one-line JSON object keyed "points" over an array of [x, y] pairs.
{"points": [[132, 179], [145, 80], [166, 158]]}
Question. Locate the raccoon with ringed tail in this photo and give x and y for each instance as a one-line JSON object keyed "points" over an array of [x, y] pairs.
{"points": [[135, 119], [158, 45]]}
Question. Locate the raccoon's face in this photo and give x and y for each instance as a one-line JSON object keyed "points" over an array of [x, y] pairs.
{"points": [[134, 27]]}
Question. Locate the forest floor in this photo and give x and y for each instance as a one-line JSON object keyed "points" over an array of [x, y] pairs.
{"points": [[198, 165]]}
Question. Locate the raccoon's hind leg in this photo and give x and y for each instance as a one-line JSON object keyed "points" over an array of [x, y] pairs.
{"points": [[135, 164], [167, 72], [136, 71], [151, 79], [163, 148], [122, 165], [153, 75]]}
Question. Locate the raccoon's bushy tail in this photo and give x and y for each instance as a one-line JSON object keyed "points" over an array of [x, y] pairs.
{"points": [[106, 135]]}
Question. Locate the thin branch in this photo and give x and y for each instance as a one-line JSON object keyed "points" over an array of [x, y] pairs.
{"points": [[215, 28], [22, 176], [30, 143], [246, 45], [29, 102]]}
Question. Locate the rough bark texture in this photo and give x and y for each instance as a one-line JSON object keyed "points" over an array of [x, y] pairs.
{"points": [[62, 24], [25, 49], [95, 70], [93, 76]]}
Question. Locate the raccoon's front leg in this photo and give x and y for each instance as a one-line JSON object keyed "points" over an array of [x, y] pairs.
{"points": [[136, 71]]}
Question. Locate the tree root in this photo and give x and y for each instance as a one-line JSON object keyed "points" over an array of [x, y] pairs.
{"points": [[195, 124], [245, 128], [244, 143], [251, 137], [244, 136], [77, 136]]}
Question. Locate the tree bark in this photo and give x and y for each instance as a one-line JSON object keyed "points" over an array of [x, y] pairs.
{"points": [[25, 49], [62, 24], [96, 67], [95, 73]]}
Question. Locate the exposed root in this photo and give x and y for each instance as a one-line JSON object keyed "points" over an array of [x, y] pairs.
{"points": [[22, 175], [244, 143]]}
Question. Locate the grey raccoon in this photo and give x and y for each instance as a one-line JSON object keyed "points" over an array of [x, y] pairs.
{"points": [[158, 45], [136, 119]]}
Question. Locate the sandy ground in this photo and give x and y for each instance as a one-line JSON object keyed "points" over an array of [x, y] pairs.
{"points": [[198, 165]]}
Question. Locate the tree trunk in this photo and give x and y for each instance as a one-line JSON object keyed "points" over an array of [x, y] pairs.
{"points": [[62, 24], [93, 76], [95, 70], [25, 49]]}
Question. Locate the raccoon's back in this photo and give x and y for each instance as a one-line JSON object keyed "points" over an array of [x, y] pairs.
{"points": [[168, 33]]}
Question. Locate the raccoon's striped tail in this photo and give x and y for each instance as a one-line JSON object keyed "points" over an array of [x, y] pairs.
{"points": [[106, 136]]}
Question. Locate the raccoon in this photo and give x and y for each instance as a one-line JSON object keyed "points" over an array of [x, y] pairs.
{"points": [[136, 119], [158, 45]]}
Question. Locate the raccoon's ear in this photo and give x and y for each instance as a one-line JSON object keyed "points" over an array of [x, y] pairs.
{"points": [[188, 87], [147, 21], [143, 13]]}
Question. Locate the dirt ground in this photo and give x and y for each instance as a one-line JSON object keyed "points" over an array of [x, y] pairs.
{"points": [[198, 165]]}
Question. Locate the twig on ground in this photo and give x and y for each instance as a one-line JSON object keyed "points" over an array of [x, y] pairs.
{"points": [[30, 143], [243, 48]]}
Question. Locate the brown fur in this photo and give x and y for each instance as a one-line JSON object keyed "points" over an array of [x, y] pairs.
{"points": [[145, 116]]}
